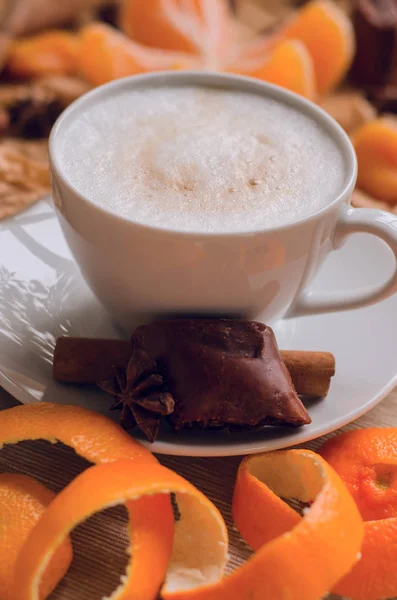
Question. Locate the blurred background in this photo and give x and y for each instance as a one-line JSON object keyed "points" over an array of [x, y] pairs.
{"points": [[341, 54]]}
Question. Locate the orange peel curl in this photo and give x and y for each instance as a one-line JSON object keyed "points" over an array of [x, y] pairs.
{"points": [[199, 548], [193, 563], [99, 440], [332, 525], [93, 436]]}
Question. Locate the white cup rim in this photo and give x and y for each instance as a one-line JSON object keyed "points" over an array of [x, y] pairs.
{"points": [[206, 79]]}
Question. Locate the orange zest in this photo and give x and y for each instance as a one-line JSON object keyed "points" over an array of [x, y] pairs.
{"points": [[376, 148], [48, 53], [199, 548], [328, 34], [366, 460], [22, 503]]}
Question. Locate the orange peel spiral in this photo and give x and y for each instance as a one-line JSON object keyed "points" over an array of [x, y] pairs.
{"points": [[190, 555], [98, 440], [332, 525], [199, 548]]}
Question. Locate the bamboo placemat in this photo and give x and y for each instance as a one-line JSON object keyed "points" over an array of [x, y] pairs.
{"points": [[99, 544]]}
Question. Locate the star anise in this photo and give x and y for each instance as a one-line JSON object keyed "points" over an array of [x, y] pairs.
{"points": [[140, 394]]}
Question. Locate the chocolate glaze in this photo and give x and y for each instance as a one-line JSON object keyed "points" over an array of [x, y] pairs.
{"points": [[222, 372]]}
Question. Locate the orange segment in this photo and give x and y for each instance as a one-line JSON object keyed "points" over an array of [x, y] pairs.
{"points": [[52, 52], [328, 34], [376, 148], [200, 554], [155, 23], [106, 54], [202, 27], [290, 66], [22, 503], [296, 564], [366, 459]]}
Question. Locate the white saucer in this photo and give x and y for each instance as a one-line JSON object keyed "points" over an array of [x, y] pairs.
{"points": [[42, 296]]}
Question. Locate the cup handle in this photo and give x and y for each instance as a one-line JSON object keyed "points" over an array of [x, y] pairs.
{"points": [[353, 220]]}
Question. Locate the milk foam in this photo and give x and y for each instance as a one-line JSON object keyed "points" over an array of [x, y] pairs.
{"points": [[201, 159]]}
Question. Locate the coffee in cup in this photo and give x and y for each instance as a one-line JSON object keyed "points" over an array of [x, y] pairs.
{"points": [[205, 193], [201, 159]]}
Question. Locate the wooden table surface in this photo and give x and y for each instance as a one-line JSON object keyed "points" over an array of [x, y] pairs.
{"points": [[99, 544]]}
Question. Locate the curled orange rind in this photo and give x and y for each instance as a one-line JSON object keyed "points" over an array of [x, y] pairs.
{"points": [[22, 503], [187, 559], [93, 436], [366, 460], [197, 552], [292, 558], [98, 440]]}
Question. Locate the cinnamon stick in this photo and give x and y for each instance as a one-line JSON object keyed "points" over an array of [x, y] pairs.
{"points": [[310, 372], [87, 361]]}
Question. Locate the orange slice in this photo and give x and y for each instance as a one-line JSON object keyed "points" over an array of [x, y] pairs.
{"points": [[366, 459], [376, 148], [328, 34], [290, 65], [106, 54], [199, 550], [22, 503], [51, 52]]}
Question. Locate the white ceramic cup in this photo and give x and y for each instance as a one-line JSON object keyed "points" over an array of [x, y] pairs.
{"points": [[140, 272]]}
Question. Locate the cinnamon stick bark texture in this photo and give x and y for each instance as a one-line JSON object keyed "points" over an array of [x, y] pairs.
{"points": [[311, 372], [89, 360]]}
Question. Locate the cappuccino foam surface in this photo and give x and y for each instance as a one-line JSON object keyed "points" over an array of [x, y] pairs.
{"points": [[202, 159]]}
